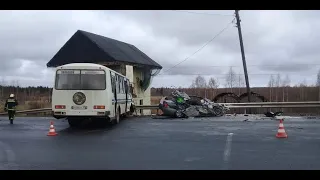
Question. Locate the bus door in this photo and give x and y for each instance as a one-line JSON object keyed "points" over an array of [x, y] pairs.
{"points": [[114, 91]]}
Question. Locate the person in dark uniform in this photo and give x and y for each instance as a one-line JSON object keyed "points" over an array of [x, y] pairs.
{"points": [[10, 107]]}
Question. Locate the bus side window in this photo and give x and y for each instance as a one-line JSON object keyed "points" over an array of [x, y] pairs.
{"points": [[122, 84], [112, 82], [126, 86], [125, 82], [117, 84]]}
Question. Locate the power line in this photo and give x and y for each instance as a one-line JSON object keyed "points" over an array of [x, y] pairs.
{"points": [[217, 66], [202, 13], [256, 65], [201, 47], [255, 74]]}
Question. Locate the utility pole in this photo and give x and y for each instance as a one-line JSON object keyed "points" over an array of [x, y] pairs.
{"points": [[243, 56]]}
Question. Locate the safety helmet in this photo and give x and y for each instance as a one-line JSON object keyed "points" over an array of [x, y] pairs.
{"points": [[11, 95]]}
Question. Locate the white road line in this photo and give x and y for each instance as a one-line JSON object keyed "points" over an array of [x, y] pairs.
{"points": [[227, 151]]}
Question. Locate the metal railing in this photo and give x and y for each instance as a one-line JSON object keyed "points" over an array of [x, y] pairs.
{"points": [[276, 106], [307, 104], [30, 111], [274, 103], [255, 105]]}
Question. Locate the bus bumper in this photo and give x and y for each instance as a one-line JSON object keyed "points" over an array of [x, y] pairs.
{"points": [[93, 114]]}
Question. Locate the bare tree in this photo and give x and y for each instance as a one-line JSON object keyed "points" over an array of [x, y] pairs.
{"points": [[25, 94], [318, 84], [277, 84], [3, 81], [3, 84], [302, 86], [199, 82], [318, 79], [12, 83], [17, 87], [303, 83], [287, 80], [2, 87], [241, 83], [231, 79], [50, 94], [285, 87], [214, 84], [271, 85]]}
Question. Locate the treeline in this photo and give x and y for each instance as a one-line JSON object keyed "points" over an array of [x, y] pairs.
{"points": [[40, 97], [28, 97], [26, 93], [272, 94], [279, 89]]}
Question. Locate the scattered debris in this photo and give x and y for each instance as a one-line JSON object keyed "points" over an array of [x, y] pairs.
{"points": [[161, 117], [311, 117], [272, 114]]}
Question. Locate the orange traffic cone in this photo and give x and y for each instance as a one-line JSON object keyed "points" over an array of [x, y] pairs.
{"points": [[52, 131], [281, 132]]}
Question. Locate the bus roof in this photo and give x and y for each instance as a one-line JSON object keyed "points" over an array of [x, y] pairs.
{"points": [[82, 65], [88, 66]]}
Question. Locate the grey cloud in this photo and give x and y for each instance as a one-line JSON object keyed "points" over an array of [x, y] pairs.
{"points": [[286, 67], [189, 70], [30, 35], [284, 39], [190, 29], [9, 66]]}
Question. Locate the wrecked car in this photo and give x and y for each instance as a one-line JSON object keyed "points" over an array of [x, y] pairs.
{"points": [[180, 105]]}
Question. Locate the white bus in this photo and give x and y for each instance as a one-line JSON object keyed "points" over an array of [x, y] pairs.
{"points": [[90, 91]]}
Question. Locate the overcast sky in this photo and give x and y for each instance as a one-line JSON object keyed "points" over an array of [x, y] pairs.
{"points": [[286, 41]]}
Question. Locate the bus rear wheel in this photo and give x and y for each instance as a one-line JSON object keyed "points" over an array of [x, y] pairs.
{"points": [[117, 118]]}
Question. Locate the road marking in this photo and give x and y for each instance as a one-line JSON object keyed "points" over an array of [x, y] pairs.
{"points": [[190, 159], [227, 151], [10, 155]]}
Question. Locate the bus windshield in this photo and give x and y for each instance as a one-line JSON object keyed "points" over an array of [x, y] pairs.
{"points": [[80, 80]]}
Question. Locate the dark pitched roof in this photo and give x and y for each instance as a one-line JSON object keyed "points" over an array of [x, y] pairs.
{"points": [[85, 47]]}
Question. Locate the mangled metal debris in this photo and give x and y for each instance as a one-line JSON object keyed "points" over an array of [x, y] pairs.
{"points": [[181, 105]]}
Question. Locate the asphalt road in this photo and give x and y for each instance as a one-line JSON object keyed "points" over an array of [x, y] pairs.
{"points": [[146, 143]]}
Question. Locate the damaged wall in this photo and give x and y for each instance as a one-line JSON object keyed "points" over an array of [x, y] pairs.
{"points": [[135, 75], [142, 97]]}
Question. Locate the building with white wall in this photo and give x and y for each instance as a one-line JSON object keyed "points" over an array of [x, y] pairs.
{"points": [[86, 47]]}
